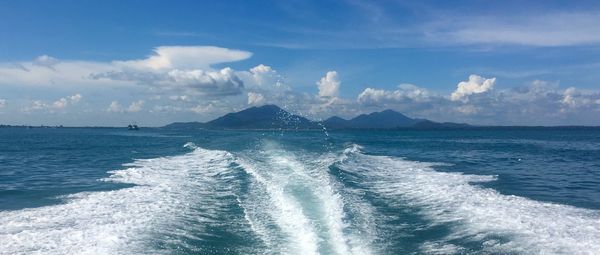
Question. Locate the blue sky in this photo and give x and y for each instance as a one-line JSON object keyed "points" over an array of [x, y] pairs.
{"points": [[154, 62]]}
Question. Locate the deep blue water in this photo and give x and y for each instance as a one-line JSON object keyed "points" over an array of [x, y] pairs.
{"points": [[476, 191]]}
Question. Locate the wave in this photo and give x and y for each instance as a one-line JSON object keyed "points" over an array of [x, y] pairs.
{"points": [[150, 217], [498, 223], [288, 204], [306, 213], [277, 200]]}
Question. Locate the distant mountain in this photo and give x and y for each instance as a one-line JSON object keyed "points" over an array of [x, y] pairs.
{"points": [[263, 117], [377, 120], [432, 124], [273, 117], [336, 122], [185, 125]]}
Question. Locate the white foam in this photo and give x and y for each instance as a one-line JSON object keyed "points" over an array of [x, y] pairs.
{"points": [[307, 207], [480, 214], [124, 221], [352, 149], [288, 215]]}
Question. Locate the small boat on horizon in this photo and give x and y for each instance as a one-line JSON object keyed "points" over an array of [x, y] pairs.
{"points": [[133, 127]]}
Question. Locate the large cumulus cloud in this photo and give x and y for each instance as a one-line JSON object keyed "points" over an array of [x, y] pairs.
{"points": [[169, 67], [329, 85], [475, 85], [183, 80], [475, 101]]}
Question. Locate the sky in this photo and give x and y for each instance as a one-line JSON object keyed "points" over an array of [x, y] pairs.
{"points": [[112, 63]]}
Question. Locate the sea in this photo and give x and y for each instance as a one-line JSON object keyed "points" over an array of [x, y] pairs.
{"points": [[154, 191]]}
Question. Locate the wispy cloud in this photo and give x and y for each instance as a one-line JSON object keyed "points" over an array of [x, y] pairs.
{"points": [[543, 29], [402, 25]]}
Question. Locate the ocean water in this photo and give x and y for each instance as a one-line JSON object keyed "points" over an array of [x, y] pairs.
{"points": [[479, 191]]}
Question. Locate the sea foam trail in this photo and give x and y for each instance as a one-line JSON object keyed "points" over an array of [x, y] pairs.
{"points": [[125, 221], [501, 223], [303, 204]]}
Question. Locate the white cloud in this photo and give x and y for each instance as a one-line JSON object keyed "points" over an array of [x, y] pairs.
{"points": [[263, 79], [179, 98], [166, 108], [36, 105], [46, 61], [255, 98], [57, 105], [60, 104], [264, 84], [570, 95], [467, 109], [404, 93], [2, 103], [203, 109], [329, 85], [43, 72], [475, 85], [573, 98], [539, 103], [371, 95], [203, 89], [263, 75], [185, 57], [327, 106], [114, 107], [183, 68], [134, 107], [169, 67], [223, 82], [75, 98]]}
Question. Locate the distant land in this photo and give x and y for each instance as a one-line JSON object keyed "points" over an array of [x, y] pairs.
{"points": [[273, 117]]}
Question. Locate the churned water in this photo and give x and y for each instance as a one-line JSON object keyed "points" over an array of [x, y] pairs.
{"points": [[475, 191]]}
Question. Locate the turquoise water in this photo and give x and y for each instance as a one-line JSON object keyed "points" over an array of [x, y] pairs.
{"points": [[479, 191]]}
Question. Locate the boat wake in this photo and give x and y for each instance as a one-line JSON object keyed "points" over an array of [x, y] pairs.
{"points": [[480, 219], [306, 212], [171, 199], [278, 200]]}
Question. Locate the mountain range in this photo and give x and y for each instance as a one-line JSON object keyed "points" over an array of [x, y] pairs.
{"points": [[273, 117]]}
